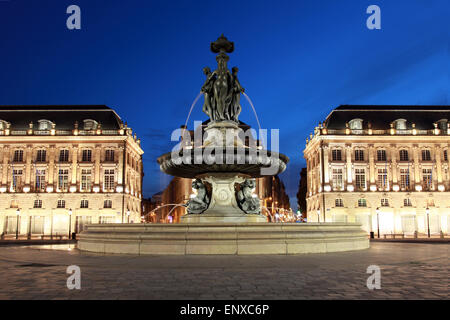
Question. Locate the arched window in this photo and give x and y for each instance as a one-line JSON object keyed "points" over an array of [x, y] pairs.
{"points": [[404, 155], [45, 124], [90, 124], [356, 124], [3, 124], [400, 124], [442, 124]]}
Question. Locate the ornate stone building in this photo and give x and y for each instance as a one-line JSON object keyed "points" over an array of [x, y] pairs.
{"points": [[384, 166], [62, 165]]}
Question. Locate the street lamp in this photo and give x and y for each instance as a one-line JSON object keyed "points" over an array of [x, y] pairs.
{"points": [[377, 210], [128, 216], [70, 224], [17, 223], [318, 215], [427, 210]]}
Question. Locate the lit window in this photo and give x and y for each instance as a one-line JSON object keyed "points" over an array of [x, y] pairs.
{"points": [[382, 181], [90, 124], [61, 204], [107, 204], [45, 124], [41, 155], [384, 202], [356, 124], [18, 156], [2, 125], [109, 155], [407, 202], [404, 155], [86, 179], [84, 204], [40, 180], [360, 178], [359, 155], [63, 155], [86, 155], [16, 182], [362, 203], [63, 179], [108, 179], [339, 203], [338, 181], [400, 124], [404, 179], [427, 179], [442, 124], [381, 155], [37, 204], [336, 155], [426, 155]]}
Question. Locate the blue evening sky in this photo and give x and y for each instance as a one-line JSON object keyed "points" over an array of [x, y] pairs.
{"points": [[297, 61]]}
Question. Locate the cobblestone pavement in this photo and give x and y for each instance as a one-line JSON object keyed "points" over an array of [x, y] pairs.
{"points": [[408, 271]]}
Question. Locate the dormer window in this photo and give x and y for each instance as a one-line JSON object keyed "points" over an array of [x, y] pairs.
{"points": [[400, 124], [442, 124], [45, 124], [356, 124], [3, 124], [90, 124]]}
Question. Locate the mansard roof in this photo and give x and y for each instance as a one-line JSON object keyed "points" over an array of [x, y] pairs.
{"points": [[64, 116], [380, 116]]}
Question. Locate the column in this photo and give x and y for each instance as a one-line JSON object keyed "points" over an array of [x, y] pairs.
{"points": [[97, 155], [416, 164], [120, 166], [372, 173], [437, 155], [348, 153], [51, 165], [28, 164], [325, 164], [5, 165], [74, 153], [394, 152]]}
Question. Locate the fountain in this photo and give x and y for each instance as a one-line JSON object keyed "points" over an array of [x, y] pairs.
{"points": [[224, 216]]}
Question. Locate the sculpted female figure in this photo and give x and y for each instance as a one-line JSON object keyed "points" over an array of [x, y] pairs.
{"points": [[207, 92], [236, 95], [221, 87]]}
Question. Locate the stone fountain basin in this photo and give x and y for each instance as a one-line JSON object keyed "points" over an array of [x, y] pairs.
{"points": [[228, 238], [247, 162]]}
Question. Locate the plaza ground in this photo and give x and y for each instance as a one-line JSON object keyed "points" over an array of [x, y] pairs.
{"points": [[408, 271]]}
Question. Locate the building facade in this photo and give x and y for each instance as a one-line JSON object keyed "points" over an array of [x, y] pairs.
{"points": [[62, 167], [386, 167]]}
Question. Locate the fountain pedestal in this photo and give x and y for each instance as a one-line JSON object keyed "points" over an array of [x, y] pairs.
{"points": [[223, 207]]}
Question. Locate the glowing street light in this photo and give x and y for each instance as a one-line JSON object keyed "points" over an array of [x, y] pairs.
{"points": [[377, 210], [318, 215], [427, 210], [128, 216]]}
